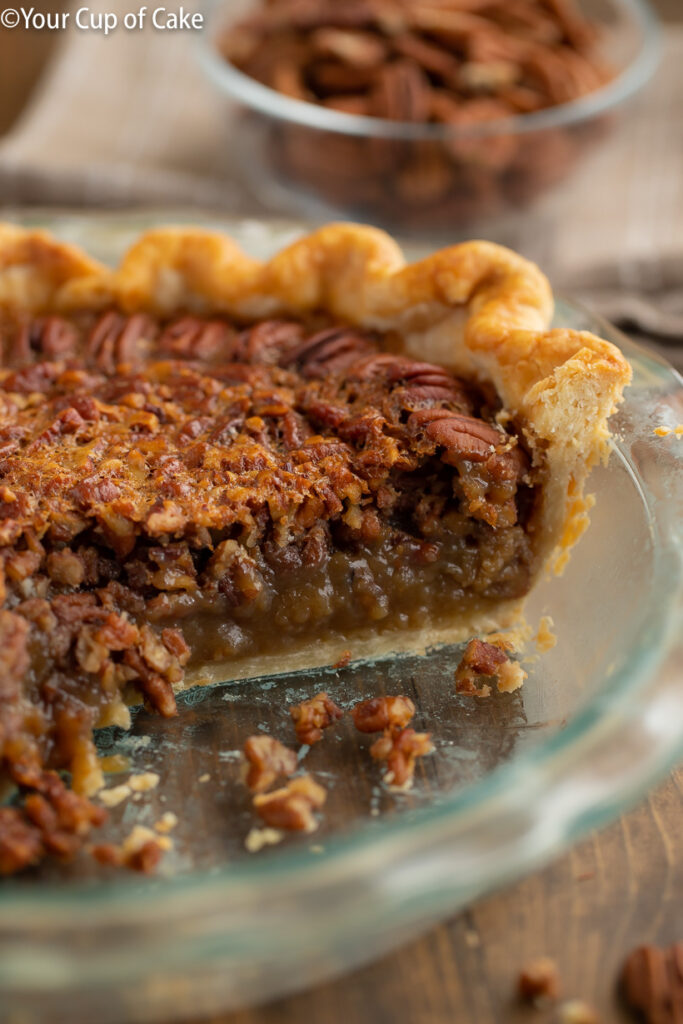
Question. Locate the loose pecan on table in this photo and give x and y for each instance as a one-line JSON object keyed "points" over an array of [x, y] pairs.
{"points": [[539, 981], [652, 983], [312, 716]]}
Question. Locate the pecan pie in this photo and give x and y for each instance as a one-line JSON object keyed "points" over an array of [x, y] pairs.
{"points": [[211, 467]]}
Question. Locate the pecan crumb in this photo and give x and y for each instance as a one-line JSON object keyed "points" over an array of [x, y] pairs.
{"points": [[481, 658], [652, 983], [267, 760], [140, 851], [539, 980], [400, 749], [380, 713], [292, 807], [312, 716], [343, 660], [114, 796]]}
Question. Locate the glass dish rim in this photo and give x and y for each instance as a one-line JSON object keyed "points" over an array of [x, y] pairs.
{"points": [[125, 891], [286, 109]]}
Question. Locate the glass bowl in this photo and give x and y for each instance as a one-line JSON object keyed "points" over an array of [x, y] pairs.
{"points": [[419, 178], [513, 781]]}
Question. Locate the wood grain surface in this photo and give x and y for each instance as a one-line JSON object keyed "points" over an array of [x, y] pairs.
{"points": [[620, 888]]}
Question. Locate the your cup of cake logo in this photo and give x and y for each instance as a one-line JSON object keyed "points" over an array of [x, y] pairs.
{"points": [[164, 19]]}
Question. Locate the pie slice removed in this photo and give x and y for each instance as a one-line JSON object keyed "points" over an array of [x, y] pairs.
{"points": [[211, 468]]}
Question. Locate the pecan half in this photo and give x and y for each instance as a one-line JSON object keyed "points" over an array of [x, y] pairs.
{"points": [[267, 760], [403, 93], [192, 338], [328, 351], [312, 716]]}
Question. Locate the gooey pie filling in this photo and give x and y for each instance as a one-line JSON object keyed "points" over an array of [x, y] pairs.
{"points": [[174, 493]]}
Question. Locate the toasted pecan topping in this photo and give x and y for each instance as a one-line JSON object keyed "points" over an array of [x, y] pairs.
{"points": [[312, 716], [292, 807], [267, 760], [156, 472], [380, 713], [52, 819]]}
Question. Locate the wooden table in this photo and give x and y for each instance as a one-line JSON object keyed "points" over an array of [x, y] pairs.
{"points": [[620, 888]]}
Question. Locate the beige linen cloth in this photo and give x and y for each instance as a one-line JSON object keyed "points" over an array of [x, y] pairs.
{"points": [[130, 119]]}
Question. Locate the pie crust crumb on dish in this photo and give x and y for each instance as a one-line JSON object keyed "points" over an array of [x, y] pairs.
{"points": [[210, 464]]}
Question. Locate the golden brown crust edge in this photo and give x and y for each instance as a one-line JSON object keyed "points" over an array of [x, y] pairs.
{"points": [[477, 307]]}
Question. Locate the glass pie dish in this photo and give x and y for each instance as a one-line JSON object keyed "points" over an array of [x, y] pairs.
{"points": [[513, 780]]}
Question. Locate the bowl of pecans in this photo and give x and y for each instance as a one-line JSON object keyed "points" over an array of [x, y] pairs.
{"points": [[422, 115]]}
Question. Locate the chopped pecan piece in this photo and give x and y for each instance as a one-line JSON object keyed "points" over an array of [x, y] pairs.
{"points": [[312, 716], [267, 760], [292, 807], [479, 659], [400, 749], [652, 983], [539, 980], [20, 842], [380, 713], [52, 819]]}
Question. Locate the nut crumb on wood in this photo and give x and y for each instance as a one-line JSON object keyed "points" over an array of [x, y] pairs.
{"points": [[539, 981], [652, 983], [204, 778], [312, 716], [292, 807], [575, 1011], [266, 761]]}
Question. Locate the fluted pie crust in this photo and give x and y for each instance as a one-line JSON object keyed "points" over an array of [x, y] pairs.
{"points": [[477, 309]]}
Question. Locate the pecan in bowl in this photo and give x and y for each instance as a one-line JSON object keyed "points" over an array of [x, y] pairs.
{"points": [[421, 115]]}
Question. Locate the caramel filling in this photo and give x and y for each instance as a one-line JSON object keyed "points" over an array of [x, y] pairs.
{"points": [[178, 493]]}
